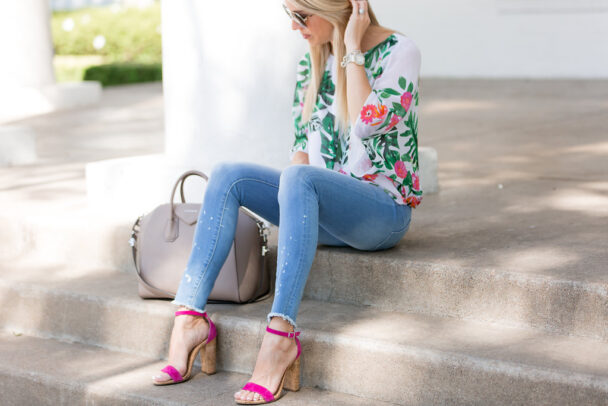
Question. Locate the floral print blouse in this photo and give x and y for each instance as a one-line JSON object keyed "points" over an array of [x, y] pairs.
{"points": [[382, 146]]}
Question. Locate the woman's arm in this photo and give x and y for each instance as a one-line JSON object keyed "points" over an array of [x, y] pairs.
{"points": [[300, 158], [357, 90], [358, 87]]}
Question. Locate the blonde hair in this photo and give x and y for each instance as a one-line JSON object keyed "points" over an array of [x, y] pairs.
{"points": [[338, 13]]}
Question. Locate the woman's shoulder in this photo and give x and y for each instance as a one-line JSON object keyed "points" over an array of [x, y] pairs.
{"points": [[406, 44], [395, 51], [397, 44]]}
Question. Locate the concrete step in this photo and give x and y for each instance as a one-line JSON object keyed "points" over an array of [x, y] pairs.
{"points": [[361, 351], [389, 280], [78, 237], [36, 371]]}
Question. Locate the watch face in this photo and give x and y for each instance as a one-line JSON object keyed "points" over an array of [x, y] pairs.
{"points": [[359, 59]]}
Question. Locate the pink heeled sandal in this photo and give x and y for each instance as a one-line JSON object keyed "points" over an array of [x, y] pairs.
{"points": [[290, 380], [207, 349]]}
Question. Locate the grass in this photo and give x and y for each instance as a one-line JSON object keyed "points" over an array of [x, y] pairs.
{"points": [[130, 37]]}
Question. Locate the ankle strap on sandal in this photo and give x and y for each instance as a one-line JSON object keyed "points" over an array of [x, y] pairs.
{"points": [[289, 334], [191, 313]]}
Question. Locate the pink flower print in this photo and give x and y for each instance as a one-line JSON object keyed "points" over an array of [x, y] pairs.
{"points": [[415, 181], [342, 172], [370, 178], [400, 169], [406, 101], [368, 113], [394, 120]]}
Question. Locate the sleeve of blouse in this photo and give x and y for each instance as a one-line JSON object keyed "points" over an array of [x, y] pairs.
{"points": [[393, 92], [301, 136]]}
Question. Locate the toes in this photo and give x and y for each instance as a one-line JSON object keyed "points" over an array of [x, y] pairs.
{"points": [[250, 396], [241, 395], [162, 377]]}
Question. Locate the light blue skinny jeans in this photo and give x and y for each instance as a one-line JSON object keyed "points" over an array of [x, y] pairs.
{"points": [[310, 205]]}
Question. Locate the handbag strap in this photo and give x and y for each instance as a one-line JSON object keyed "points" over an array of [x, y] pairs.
{"points": [[180, 182]]}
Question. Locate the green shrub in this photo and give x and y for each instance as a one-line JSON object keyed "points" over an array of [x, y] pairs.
{"points": [[124, 73], [131, 34]]}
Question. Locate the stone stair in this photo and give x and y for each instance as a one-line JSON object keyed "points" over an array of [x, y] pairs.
{"points": [[78, 374], [363, 351], [378, 328]]}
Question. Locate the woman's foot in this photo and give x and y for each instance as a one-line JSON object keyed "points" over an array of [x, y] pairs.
{"points": [[275, 356], [188, 332]]}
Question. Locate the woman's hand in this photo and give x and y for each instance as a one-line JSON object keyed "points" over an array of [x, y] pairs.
{"points": [[357, 26], [300, 158]]}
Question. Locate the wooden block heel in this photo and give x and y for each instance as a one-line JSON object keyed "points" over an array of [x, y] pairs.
{"points": [[292, 377], [208, 353]]}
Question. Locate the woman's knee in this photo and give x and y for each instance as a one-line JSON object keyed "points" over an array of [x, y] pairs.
{"points": [[228, 172], [296, 174], [293, 178]]}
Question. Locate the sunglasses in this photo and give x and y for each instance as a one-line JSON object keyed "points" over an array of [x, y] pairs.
{"points": [[300, 20]]}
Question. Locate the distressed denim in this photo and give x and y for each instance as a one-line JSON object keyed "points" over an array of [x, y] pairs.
{"points": [[311, 206]]}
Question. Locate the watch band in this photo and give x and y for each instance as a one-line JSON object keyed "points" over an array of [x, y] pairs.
{"points": [[353, 56]]}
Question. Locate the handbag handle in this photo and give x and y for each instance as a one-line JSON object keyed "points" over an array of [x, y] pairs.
{"points": [[181, 181]]}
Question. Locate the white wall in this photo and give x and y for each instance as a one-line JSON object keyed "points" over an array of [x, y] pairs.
{"points": [[504, 38]]}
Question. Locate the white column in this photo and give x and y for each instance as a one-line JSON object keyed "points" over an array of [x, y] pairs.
{"points": [[25, 43], [27, 80], [229, 75]]}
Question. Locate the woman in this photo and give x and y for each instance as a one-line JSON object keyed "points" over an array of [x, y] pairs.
{"points": [[353, 182]]}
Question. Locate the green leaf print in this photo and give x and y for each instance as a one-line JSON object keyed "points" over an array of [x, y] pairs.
{"points": [[378, 72], [386, 147], [391, 92], [328, 123], [402, 82], [399, 109], [331, 147], [391, 157], [326, 90], [410, 88]]}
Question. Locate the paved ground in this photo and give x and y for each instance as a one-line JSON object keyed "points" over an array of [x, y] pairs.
{"points": [[523, 170]]}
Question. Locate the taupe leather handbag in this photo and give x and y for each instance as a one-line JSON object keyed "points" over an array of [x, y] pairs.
{"points": [[162, 241]]}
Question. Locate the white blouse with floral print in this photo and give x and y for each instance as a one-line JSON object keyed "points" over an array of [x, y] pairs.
{"points": [[382, 147]]}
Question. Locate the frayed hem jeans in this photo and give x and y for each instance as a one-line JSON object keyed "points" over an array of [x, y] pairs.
{"points": [[311, 206]]}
